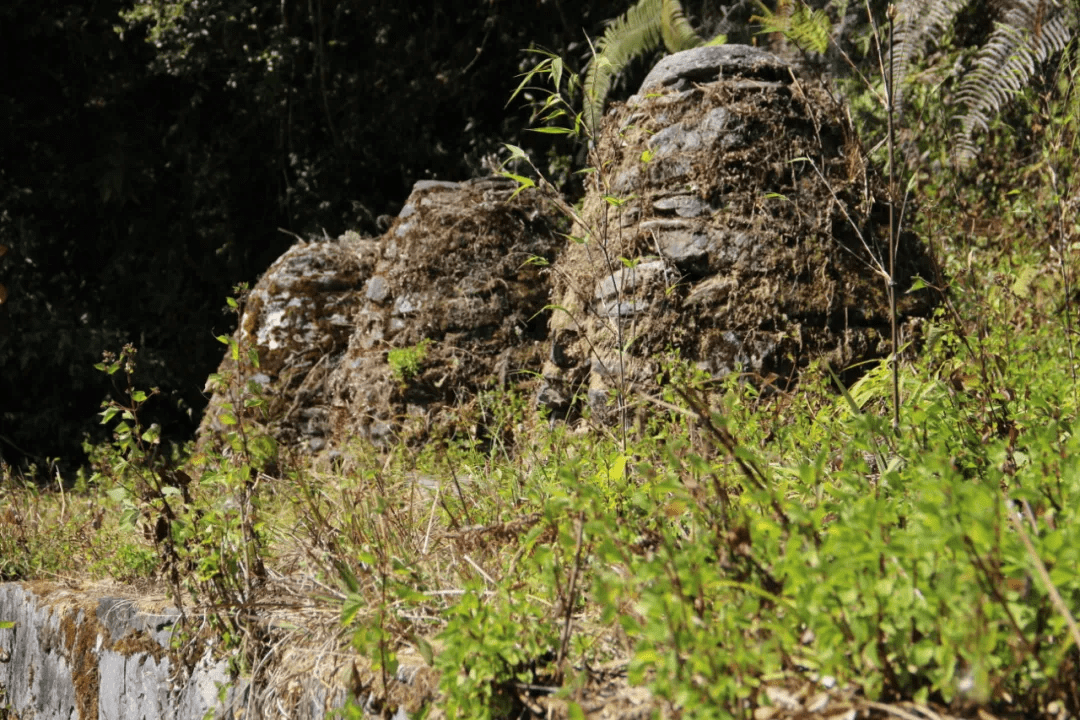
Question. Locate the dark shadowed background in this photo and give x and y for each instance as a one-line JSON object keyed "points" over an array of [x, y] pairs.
{"points": [[139, 181]]}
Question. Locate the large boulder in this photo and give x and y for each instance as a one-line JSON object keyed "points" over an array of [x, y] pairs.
{"points": [[734, 220], [453, 306], [367, 337], [298, 318]]}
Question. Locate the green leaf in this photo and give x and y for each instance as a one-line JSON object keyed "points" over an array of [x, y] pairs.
{"points": [[353, 604], [552, 130], [516, 153], [425, 650], [617, 470], [117, 494], [526, 78], [348, 579], [523, 183]]}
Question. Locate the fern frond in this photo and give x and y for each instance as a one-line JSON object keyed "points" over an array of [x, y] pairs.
{"points": [[635, 33], [676, 30], [918, 22], [1030, 31], [639, 31], [808, 29]]}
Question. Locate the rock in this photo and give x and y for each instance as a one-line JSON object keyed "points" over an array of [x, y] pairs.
{"points": [[74, 654], [455, 274], [752, 264], [730, 248], [299, 319], [711, 63], [687, 206], [629, 279], [85, 654], [377, 289]]}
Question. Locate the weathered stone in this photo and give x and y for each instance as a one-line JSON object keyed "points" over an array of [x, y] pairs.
{"points": [[299, 318], [762, 269], [73, 654], [675, 138], [688, 206], [459, 285], [451, 274], [80, 653], [377, 289], [628, 279], [737, 253], [712, 63]]}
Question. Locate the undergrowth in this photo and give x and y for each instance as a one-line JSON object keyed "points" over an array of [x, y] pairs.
{"points": [[725, 542]]}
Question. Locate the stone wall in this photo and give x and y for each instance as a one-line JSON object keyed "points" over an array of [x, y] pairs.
{"points": [[81, 652]]}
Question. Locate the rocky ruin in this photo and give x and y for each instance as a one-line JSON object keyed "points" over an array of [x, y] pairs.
{"points": [[456, 285], [734, 221]]}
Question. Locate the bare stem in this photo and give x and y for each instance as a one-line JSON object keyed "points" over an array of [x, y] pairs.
{"points": [[893, 232]]}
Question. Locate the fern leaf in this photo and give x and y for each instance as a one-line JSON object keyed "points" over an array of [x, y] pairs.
{"points": [[635, 33], [808, 29], [1030, 31], [676, 31], [918, 22], [639, 31]]}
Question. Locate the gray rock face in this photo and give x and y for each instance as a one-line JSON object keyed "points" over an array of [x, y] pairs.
{"points": [[709, 64], [70, 655], [79, 654]]}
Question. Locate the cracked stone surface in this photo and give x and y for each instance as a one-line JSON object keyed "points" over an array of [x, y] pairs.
{"points": [[79, 652]]}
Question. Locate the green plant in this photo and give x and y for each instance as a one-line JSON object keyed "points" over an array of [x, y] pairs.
{"points": [[405, 363], [639, 31], [1022, 35], [491, 653], [1026, 33], [208, 533]]}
